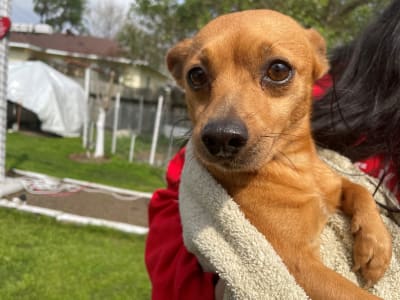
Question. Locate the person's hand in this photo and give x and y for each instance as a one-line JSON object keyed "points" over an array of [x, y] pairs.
{"points": [[219, 289]]}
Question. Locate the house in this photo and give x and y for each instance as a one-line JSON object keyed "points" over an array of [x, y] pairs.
{"points": [[73, 54]]}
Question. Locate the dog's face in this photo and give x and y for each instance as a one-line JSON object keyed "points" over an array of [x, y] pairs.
{"points": [[248, 79]]}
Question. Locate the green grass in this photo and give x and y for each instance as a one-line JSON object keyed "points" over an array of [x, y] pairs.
{"points": [[51, 155], [42, 259], [143, 145]]}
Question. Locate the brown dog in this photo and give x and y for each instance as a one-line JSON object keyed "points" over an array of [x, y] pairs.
{"points": [[248, 79]]}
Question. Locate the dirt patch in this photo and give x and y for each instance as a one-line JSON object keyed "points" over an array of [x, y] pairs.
{"points": [[93, 204]]}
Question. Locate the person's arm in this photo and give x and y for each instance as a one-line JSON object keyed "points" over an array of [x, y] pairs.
{"points": [[174, 272]]}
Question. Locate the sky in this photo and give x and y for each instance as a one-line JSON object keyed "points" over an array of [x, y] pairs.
{"points": [[22, 10]]}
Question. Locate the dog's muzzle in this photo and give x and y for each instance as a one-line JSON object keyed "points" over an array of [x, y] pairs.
{"points": [[225, 137]]}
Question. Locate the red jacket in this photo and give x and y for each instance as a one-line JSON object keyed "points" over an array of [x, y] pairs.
{"points": [[173, 271]]}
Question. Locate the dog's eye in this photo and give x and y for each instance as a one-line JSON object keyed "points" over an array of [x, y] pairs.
{"points": [[278, 72], [197, 78]]}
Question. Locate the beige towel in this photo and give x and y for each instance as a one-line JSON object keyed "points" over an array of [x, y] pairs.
{"points": [[217, 232]]}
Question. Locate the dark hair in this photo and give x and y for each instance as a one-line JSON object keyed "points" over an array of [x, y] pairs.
{"points": [[360, 116]]}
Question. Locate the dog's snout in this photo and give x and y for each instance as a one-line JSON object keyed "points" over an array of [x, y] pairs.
{"points": [[224, 138]]}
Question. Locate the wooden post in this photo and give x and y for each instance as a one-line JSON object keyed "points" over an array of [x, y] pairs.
{"points": [[156, 130], [115, 123], [132, 147], [86, 112]]}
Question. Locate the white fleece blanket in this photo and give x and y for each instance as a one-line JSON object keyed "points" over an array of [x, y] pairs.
{"points": [[217, 232]]}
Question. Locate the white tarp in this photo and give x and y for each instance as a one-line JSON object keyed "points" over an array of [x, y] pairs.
{"points": [[57, 100]]}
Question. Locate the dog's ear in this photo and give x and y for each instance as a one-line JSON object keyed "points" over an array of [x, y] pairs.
{"points": [[321, 64], [176, 58]]}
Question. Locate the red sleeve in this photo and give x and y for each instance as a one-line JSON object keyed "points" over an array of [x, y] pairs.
{"points": [[174, 272]]}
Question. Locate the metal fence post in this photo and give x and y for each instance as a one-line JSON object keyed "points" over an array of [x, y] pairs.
{"points": [[4, 12]]}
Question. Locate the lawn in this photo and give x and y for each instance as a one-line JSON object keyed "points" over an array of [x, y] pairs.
{"points": [[42, 259], [51, 155]]}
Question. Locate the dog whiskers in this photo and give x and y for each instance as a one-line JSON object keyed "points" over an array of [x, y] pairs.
{"points": [[284, 136], [278, 134], [291, 163]]}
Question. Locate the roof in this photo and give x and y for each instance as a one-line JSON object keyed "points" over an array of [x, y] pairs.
{"points": [[86, 45]]}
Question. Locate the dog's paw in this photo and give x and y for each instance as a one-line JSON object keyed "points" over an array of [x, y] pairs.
{"points": [[372, 249]]}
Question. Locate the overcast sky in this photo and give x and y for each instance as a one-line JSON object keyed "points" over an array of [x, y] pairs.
{"points": [[22, 10]]}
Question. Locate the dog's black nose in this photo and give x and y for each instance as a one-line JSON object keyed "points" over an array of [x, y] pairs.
{"points": [[224, 138]]}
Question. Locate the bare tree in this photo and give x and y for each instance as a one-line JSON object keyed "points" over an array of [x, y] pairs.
{"points": [[104, 18]]}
